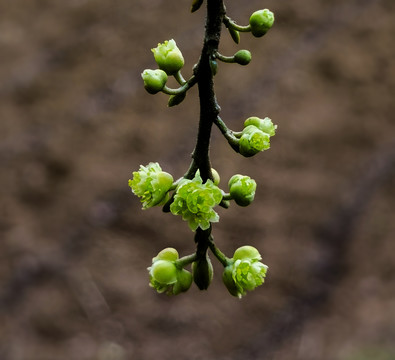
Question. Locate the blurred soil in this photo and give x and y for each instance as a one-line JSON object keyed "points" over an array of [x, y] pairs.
{"points": [[75, 121]]}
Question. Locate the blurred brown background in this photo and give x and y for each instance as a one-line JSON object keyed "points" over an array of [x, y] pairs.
{"points": [[75, 121]]}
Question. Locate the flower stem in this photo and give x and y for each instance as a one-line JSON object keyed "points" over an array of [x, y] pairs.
{"points": [[225, 261], [185, 87], [230, 23], [185, 260], [223, 58], [228, 134]]}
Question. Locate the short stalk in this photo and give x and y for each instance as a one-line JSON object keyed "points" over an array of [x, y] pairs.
{"points": [[225, 261], [230, 23], [226, 59], [180, 79], [185, 260]]}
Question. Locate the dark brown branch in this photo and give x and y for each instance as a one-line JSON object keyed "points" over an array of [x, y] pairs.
{"points": [[209, 108]]}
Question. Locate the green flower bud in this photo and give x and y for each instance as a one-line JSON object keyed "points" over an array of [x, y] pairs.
{"points": [[216, 176], [184, 281], [202, 270], [168, 57], [242, 57], [169, 254], [245, 272], [213, 67], [165, 276], [194, 201], [154, 80], [227, 278], [247, 252], [176, 99], [253, 141], [196, 4], [151, 184], [261, 21], [164, 272], [266, 125], [242, 189], [234, 34]]}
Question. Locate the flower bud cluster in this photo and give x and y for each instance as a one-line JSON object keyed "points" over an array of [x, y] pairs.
{"points": [[151, 185], [244, 272], [169, 59], [255, 136], [165, 276], [194, 201]]}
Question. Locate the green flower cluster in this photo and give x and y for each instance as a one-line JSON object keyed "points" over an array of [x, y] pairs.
{"points": [[151, 185], [245, 272], [194, 201], [165, 276], [255, 136]]}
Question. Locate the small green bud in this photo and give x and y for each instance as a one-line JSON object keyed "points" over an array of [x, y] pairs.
{"points": [[164, 272], [213, 66], [227, 278], [202, 270], [242, 189], [253, 141], [247, 252], [234, 34], [196, 4], [176, 99], [154, 80], [168, 57], [169, 254], [184, 281], [242, 57], [261, 21], [266, 125], [245, 272], [216, 177]]}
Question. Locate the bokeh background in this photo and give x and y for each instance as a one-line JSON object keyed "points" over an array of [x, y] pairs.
{"points": [[75, 121]]}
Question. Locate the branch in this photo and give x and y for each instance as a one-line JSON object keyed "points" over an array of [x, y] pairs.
{"points": [[209, 108]]}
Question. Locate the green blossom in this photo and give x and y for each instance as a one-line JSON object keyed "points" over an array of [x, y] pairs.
{"points": [[194, 201], [253, 141], [165, 276], [168, 57], [266, 125], [245, 271], [151, 185], [154, 80], [242, 189], [261, 21]]}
